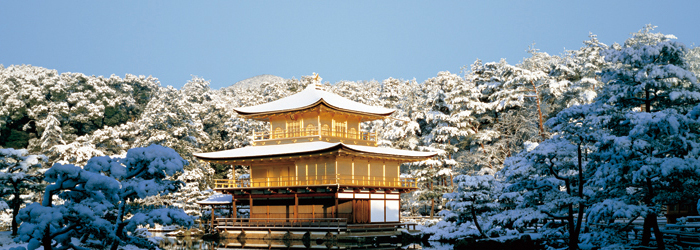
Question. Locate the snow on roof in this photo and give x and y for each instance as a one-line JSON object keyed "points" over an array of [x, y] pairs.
{"points": [[217, 199], [390, 151], [268, 150], [303, 147], [310, 97]]}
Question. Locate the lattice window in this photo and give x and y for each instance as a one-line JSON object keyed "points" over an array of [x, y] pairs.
{"points": [[325, 130], [279, 133], [310, 130], [340, 129], [352, 134], [293, 128]]}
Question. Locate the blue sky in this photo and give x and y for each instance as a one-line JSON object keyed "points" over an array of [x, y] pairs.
{"points": [[228, 41]]}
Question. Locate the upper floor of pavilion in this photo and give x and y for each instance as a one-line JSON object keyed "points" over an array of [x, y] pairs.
{"points": [[314, 115]]}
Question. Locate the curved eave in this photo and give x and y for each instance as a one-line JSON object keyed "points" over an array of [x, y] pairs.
{"points": [[311, 97], [255, 115], [378, 153], [252, 154], [265, 154]]}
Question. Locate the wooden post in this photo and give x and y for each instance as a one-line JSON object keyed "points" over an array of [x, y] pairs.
{"points": [[319, 125], [234, 209], [212, 218], [250, 206], [336, 205], [296, 206], [352, 211]]}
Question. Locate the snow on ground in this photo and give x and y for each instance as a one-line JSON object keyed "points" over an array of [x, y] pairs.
{"points": [[6, 241]]}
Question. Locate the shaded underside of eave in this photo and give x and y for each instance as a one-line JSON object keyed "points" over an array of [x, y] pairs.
{"points": [[331, 185], [318, 186], [378, 155], [336, 149], [290, 155]]}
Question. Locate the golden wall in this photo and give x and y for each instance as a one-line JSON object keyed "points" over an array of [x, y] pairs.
{"points": [[326, 170]]}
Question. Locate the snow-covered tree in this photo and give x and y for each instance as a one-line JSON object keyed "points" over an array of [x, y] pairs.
{"points": [[550, 179], [88, 198], [19, 175], [97, 198], [474, 196], [141, 174], [645, 133], [573, 79], [693, 58], [442, 126], [35, 100], [190, 193], [503, 114]]}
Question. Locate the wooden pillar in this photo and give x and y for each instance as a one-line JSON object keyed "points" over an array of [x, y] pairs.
{"points": [[319, 124], [352, 211], [212, 219], [250, 206], [234, 209], [296, 206], [336, 205]]}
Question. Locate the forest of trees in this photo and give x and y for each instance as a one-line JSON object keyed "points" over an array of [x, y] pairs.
{"points": [[604, 133]]}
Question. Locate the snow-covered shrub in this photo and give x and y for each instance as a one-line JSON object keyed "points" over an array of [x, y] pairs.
{"points": [[20, 174], [97, 199]]}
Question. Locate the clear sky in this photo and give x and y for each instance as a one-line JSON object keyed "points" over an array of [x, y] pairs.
{"points": [[228, 41]]}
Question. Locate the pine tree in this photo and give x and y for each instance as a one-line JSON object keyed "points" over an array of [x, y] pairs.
{"points": [[97, 197], [646, 139], [19, 175]]}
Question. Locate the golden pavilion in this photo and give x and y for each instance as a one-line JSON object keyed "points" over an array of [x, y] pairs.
{"points": [[316, 162]]}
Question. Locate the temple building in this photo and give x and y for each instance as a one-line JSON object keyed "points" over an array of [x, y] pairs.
{"points": [[316, 162]]}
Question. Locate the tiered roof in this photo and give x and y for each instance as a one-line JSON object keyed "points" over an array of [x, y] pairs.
{"points": [[295, 149], [311, 97]]}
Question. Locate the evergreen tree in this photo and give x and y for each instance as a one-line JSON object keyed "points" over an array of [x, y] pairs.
{"points": [[97, 198], [19, 175], [646, 139]]}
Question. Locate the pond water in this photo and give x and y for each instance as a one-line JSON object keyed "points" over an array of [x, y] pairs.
{"points": [[196, 243]]}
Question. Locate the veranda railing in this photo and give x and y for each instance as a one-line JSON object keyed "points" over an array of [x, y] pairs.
{"points": [[296, 133], [287, 181]]}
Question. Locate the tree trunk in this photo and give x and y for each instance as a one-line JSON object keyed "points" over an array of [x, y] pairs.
{"points": [[650, 222], [476, 221], [539, 110], [432, 208], [46, 240], [579, 219], [646, 231], [432, 202], [119, 227], [573, 237], [484, 149], [658, 234], [15, 208], [653, 223], [647, 102]]}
